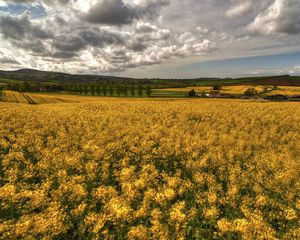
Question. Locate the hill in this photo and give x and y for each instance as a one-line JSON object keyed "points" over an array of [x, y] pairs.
{"points": [[45, 76], [31, 75]]}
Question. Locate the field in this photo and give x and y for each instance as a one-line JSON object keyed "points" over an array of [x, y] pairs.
{"points": [[275, 80], [234, 89], [150, 169], [35, 98]]}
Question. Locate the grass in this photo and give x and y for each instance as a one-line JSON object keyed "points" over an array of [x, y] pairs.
{"points": [[5, 80]]}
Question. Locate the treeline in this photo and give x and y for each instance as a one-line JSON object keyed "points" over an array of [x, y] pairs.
{"points": [[1, 91], [109, 89], [92, 89], [33, 87]]}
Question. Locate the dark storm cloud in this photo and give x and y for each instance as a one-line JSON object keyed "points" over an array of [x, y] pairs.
{"points": [[21, 27], [114, 12], [69, 44], [36, 46], [117, 12], [99, 38]]}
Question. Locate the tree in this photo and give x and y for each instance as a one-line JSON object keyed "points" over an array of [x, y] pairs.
{"points": [[80, 88], [132, 90], [16, 87], [68, 88], [86, 89], [217, 87], [111, 89], [75, 88], [92, 89], [98, 89], [1, 92], [192, 93], [140, 90], [104, 89], [125, 90], [26, 86], [148, 90], [250, 92], [118, 90]]}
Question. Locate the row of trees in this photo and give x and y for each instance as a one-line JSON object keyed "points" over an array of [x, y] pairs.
{"points": [[109, 89], [33, 87], [1, 91], [100, 89]]}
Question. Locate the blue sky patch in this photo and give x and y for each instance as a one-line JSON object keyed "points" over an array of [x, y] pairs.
{"points": [[36, 11]]}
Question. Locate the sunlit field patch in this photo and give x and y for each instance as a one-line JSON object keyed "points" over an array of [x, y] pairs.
{"points": [[238, 89]]}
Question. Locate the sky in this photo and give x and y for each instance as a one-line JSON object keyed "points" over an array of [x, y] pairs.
{"points": [[152, 38]]}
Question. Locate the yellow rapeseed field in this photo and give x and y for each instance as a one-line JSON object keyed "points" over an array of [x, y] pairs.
{"points": [[36, 98], [239, 89], [150, 169]]}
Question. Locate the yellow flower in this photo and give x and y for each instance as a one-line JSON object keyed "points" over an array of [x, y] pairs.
{"points": [[224, 225], [119, 208], [176, 213], [127, 173], [290, 214], [138, 232], [261, 200], [212, 197], [7, 191], [167, 195], [240, 225], [211, 213]]}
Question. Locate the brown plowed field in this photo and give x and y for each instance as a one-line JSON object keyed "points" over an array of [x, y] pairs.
{"points": [[280, 81]]}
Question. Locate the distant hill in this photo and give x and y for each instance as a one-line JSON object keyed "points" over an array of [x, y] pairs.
{"points": [[58, 77], [43, 76]]}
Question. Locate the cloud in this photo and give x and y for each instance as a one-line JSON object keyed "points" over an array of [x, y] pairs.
{"points": [[114, 12], [109, 12], [239, 10], [116, 35], [8, 60], [282, 17], [105, 48], [21, 27], [3, 3], [117, 12], [145, 32]]}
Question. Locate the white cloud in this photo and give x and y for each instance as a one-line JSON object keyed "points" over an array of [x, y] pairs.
{"points": [[282, 17], [3, 3], [239, 10]]}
